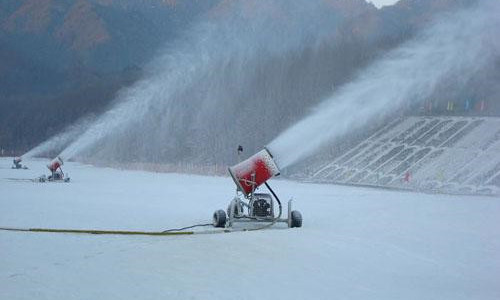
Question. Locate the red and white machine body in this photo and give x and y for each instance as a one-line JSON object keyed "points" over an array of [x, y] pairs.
{"points": [[254, 171], [55, 164]]}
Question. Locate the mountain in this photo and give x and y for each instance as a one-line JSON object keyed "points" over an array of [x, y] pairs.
{"points": [[54, 54], [64, 39]]}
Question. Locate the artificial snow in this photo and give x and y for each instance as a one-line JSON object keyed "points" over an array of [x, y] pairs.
{"points": [[355, 243]]}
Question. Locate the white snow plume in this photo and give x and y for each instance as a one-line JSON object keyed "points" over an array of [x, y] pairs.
{"points": [[56, 143], [187, 100], [455, 46]]}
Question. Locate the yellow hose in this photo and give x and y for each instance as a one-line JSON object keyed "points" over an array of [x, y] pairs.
{"points": [[93, 231]]}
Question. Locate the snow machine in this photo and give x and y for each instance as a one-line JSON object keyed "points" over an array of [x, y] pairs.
{"points": [[17, 164], [56, 171], [249, 206]]}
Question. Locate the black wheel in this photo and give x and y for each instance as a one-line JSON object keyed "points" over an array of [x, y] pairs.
{"points": [[296, 219], [219, 218]]}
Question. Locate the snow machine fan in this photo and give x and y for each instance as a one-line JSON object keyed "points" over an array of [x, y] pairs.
{"points": [[56, 171], [17, 163], [248, 175]]}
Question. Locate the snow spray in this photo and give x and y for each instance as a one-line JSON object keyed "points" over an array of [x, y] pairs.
{"points": [[254, 171], [456, 46], [189, 94], [61, 140]]}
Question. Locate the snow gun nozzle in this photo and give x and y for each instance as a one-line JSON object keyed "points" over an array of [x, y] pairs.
{"points": [[254, 171]]}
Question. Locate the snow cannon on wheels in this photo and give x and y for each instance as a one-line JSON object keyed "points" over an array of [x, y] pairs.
{"points": [[17, 163], [56, 171], [250, 206]]}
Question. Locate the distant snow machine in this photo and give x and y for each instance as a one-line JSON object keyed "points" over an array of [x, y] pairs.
{"points": [[248, 175], [17, 164], [57, 173]]}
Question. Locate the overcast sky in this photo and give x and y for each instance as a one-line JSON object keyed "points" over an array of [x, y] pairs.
{"points": [[380, 3]]}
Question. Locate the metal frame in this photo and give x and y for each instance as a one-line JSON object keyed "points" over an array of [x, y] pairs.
{"points": [[240, 204], [62, 177]]}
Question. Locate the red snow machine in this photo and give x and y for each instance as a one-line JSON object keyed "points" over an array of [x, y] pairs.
{"points": [[17, 164], [56, 171], [250, 206]]}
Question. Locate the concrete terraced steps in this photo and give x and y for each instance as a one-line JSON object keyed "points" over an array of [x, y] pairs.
{"points": [[446, 154]]}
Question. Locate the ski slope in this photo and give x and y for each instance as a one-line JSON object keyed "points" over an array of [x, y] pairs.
{"points": [[355, 243], [449, 154]]}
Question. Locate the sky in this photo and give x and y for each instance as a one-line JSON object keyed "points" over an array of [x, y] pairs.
{"points": [[380, 3]]}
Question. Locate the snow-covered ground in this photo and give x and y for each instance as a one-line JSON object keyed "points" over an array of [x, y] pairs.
{"points": [[453, 154], [355, 243]]}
